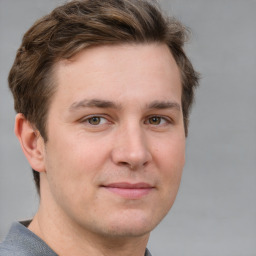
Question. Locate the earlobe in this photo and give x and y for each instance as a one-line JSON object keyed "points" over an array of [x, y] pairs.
{"points": [[31, 142]]}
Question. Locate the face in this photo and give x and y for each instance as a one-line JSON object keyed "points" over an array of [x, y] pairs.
{"points": [[115, 151]]}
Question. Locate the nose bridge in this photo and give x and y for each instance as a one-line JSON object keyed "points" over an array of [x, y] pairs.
{"points": [[131, 146]]}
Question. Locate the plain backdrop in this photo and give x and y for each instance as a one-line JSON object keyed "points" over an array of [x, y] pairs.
{"points": [[215, 210]]}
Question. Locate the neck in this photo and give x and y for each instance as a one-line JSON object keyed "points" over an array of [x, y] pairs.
{"points": [[68, 238]]}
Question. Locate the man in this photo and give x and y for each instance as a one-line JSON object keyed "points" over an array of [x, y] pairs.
{"points": [[103, 91]]}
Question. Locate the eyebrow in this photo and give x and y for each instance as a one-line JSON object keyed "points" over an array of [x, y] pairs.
{"points": [[96, 103], [164, 105]]}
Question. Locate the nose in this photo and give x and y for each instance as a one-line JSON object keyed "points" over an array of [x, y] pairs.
{"points": [[131, 148]]}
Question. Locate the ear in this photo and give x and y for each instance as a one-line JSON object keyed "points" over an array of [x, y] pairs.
{"points": [[31, 142]]}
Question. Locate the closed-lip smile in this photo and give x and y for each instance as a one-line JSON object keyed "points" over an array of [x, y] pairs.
{"points": [[129, 190]]}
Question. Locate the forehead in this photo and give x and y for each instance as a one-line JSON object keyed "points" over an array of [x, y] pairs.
{"points": [[118, 71], [104, 57]]}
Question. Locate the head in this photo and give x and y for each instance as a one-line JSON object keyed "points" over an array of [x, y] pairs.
{"points": [[77, 25]]}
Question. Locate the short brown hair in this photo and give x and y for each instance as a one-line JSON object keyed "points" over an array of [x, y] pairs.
{"points": [[79, 24]]}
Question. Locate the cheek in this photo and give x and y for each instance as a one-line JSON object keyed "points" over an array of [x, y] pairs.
{"points": [[77, 158], [170, 153], [68, 176], [63, 163], [170, 160]]}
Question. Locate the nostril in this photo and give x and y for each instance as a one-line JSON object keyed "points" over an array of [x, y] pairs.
{"points": [[130, 166], [146, 163]]}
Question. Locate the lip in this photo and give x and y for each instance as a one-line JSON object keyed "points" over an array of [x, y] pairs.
{"points": [[129, 190]]}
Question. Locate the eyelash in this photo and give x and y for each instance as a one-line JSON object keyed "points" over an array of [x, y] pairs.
{"points": [[167, 120], [87, 119]]}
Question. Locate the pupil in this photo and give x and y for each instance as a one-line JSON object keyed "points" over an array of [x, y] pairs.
{"points": [[155, 120], [94, 120]]}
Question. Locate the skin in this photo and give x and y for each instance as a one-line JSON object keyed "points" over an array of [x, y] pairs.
{"points": [[112, 165]]}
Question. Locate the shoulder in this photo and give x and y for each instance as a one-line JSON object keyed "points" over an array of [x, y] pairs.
{"points": [[22, 242], [7, 249], [11, 244], [10, 247]]}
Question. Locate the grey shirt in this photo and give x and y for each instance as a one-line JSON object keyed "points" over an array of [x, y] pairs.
{"points": [[20, 241]]}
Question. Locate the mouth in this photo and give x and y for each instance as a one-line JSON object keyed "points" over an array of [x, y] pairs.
{"points": [[129, 190]]}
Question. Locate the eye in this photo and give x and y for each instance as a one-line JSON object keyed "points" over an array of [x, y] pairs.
{"points": [[96, 120], [157, 120]]}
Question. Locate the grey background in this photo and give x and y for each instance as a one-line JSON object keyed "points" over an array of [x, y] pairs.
{"points": [[215, 211]]}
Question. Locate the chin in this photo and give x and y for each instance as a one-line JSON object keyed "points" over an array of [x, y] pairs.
{"points": [[132, 225], [125, 231]]}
